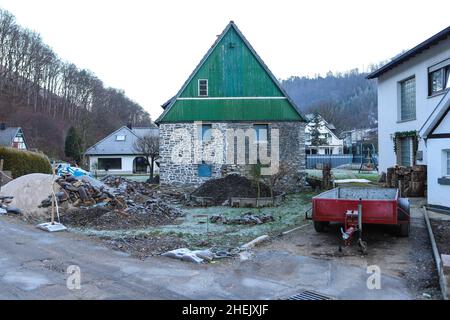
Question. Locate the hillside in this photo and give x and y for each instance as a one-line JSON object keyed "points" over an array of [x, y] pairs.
{"points": [[348, 100], [45, 95]]}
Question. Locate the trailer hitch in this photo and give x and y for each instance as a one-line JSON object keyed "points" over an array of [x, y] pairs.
{"points": [[353, 223]]}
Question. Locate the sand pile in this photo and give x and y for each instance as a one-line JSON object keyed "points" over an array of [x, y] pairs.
{"points": [[28, 192]]}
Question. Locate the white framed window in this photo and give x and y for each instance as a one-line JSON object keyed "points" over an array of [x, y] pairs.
{"points": [[202, 87], [447, 162], [121, 137], [439, 77], [408, 99]]}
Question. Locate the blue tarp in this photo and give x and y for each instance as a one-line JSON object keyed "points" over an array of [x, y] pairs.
{"points": [[62, 169]]}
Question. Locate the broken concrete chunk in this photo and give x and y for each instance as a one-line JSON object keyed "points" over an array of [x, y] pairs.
{"points": [[13, 210], [204, 254]]}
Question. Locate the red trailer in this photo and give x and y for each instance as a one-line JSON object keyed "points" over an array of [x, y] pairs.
{"points": [[353, 207]]}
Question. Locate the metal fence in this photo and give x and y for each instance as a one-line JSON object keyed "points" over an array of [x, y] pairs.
{"points": [[334, 160]]}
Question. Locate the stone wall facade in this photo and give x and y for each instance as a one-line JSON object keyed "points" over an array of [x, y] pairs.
{"points": [[179, 161]]}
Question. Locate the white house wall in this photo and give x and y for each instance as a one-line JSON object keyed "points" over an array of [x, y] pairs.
{"points": [[438, 194], [127, 164], [388, 86], [335, 143]]}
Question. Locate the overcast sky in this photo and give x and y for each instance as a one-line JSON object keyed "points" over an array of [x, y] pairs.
{"points": [[149, 48]]}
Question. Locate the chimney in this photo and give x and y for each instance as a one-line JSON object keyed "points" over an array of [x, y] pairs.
{"points": [[2, 126], [130, 126]]}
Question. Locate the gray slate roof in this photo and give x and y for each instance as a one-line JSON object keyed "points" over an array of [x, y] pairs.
{"points": [[7, 135], [110, 146]]}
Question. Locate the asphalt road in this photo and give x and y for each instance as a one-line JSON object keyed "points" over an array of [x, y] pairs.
{"points": [[34, 263]]}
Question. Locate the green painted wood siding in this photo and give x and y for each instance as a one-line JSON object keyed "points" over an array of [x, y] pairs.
{"points": [[233, 72], [231, 110]]}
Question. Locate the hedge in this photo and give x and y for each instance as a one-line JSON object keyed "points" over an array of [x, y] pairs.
{"points": [[21, 162]]}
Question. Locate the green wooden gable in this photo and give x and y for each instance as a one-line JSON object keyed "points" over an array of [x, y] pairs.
{"points": [[240, 87]]}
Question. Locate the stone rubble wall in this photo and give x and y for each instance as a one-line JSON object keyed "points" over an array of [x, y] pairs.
{"points": [[178, 165]]}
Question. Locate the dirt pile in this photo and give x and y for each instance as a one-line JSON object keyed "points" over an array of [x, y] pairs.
{"points": [[28, 192], [233, 185]]}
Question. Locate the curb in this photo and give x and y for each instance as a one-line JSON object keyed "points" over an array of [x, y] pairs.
{"points": [[437, 257]]}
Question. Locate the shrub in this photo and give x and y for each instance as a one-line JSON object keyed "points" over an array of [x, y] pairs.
{"points": [[21, 162]]}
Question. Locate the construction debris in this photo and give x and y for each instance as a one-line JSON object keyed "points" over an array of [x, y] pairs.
{"points": [[255, 242], [246, 218], [82, 193], [5, 205], [197, 256], [117, 204]]}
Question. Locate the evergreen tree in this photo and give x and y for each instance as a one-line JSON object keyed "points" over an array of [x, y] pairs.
{"points": [[73, 145], [317, 138]]}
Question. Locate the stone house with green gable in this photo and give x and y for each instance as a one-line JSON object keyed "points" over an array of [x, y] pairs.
{"points": [[230, 107]]}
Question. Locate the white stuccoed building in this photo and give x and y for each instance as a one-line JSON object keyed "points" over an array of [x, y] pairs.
{"points": [[412, 89], [334, 144]]}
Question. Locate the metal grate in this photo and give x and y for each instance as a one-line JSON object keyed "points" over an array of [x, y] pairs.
{"points": [[309, 295]]}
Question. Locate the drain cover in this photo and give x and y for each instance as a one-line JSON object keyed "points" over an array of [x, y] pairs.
{"points": [[309, 295]]}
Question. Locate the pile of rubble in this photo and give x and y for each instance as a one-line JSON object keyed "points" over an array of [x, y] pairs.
{"points": [[85, 192], [246, 218], [410, 180], [115, 203]]}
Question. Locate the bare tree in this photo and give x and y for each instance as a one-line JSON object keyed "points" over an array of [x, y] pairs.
{"points": [[148, 146]]}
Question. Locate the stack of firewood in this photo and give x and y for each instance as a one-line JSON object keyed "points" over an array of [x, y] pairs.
{"points": [[411, 181]]}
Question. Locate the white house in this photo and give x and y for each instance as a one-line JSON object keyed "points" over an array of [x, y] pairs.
{"points": [[411, 89], [334, 144], [115, 154], [436, 135]]}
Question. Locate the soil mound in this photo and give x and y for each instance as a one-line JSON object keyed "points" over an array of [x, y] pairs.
{"points": [[232, 185]]}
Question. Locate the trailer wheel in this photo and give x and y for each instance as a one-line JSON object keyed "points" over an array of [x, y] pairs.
{"points": [[319, 226], [403, 229]]}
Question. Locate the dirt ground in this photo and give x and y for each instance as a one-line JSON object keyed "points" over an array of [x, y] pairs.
{"points": [[101, 218], [143, 246], [408, 258], [441, 231]]}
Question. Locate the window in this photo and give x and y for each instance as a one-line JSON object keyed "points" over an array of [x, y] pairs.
{"points": [[408, 99], [110, 163], [448, 163], [438, 78], [328, 151], [405, 151], [308, 137], [120, 137], [261, 132], [205, 132], [202, 88]]}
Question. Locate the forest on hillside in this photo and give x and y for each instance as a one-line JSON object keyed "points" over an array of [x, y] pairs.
{"points": [[348, 100], [45, 95]]}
